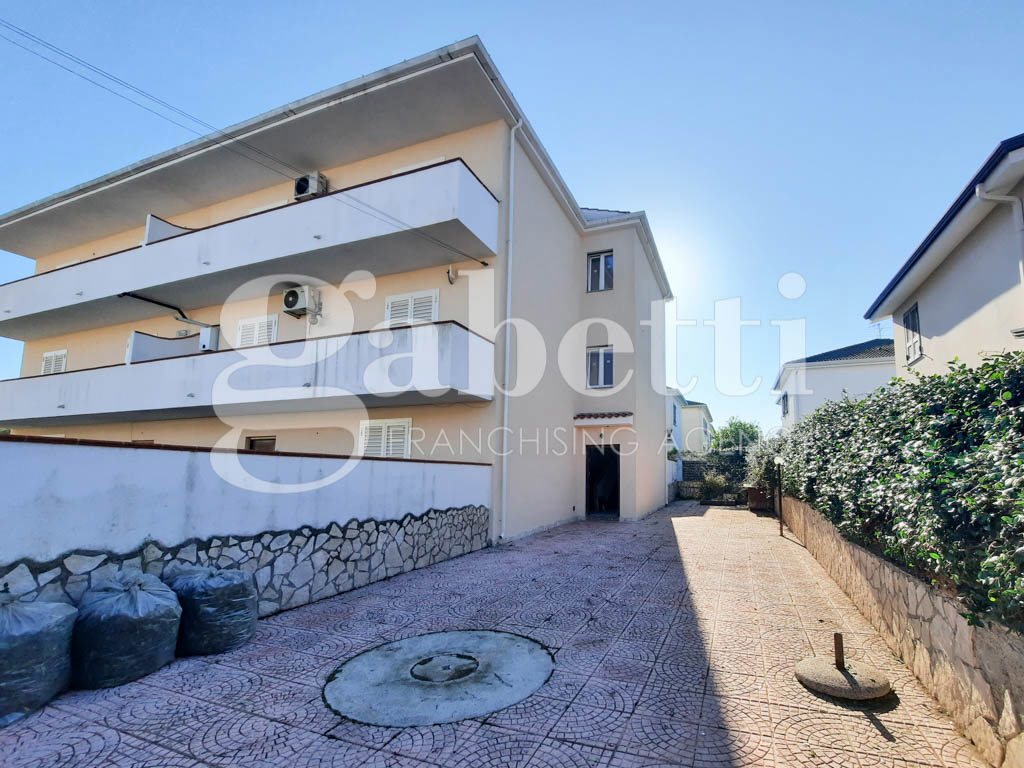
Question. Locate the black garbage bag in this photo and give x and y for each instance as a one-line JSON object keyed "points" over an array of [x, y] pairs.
{"points": [[127, 627], [218, 609], [35, 654]]}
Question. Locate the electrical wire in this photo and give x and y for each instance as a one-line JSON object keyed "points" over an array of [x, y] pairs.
{"points": [[360, 205]]}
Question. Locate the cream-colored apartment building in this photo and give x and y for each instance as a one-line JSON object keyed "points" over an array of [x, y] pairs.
{"points": [[960, 295], [332, 277]]}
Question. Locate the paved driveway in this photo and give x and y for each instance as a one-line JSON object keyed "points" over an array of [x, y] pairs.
{"points": [[674, 641]]}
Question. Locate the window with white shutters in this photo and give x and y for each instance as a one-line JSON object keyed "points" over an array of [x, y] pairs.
{"points": [[407, 308], [253, 331], [54, 362], [388, 438]]}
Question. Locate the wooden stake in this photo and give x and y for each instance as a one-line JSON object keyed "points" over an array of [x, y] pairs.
{"points": [[840, 657]]}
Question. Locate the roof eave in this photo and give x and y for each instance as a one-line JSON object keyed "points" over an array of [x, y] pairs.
{"points": [[366, 82], [1003, 170]]}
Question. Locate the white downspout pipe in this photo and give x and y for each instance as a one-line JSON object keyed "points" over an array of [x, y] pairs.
{"points": [[1018, 215], [511, 219]]}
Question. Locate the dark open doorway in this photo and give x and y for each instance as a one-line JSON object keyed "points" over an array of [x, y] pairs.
{"points": [[602, 480]]}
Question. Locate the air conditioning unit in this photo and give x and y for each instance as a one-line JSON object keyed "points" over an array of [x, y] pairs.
{"points": [[301, 300], [310, 185]]}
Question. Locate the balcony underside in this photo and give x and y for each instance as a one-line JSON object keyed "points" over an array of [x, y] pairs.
{"points": [[432, 217], [446, 396], [434, 363]]}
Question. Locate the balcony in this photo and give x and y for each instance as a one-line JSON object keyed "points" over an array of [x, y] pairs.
{"points": [[412, 365], [434, 216]]}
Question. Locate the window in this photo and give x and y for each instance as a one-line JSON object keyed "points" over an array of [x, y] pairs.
{"points": [[407, 308], [386, 438], [54, 362], [599, 367], [674, 412], [253, 331], [600, 270], [785, 404], [912, 333], [262, 444]]}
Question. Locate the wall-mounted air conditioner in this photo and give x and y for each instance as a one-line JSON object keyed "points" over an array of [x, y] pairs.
{"points": [[301, 300], [310, 185]]}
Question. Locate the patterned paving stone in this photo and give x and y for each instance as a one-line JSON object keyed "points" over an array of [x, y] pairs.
{"points": [[536, 715], [674, 641], [438, 744], [667, 740], [590, 725], [670, 703], [563, 685], [497, 748]]}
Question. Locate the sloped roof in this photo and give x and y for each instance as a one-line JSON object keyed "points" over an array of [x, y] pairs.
{"points": [[876, 349], [966, 196], [595, 215]]}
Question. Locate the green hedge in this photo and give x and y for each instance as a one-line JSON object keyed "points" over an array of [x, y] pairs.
{"points": [[930, 473]]}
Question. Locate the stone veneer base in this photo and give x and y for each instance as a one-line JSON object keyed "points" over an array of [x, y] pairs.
{"points": [[291, 568], [976, 673]]}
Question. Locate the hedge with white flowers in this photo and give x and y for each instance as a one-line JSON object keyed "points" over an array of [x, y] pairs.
{"points": [[928, 472]]}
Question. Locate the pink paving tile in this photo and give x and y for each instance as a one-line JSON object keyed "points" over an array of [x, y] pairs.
{"points": [[674, 641]]}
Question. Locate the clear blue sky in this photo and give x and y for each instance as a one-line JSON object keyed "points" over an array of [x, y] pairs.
{"points": [[761, 138]]}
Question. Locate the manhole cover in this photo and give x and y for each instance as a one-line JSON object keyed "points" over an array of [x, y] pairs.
{"points": [[441, 677], [444, 667]]}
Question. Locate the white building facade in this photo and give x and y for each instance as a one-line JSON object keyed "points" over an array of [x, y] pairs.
{"points": [[803, 386]]}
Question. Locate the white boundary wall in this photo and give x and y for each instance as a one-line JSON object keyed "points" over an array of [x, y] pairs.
{"points": [[58, 497]]}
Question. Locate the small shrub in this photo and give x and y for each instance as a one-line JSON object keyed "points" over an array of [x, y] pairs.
{"points": [[761, 469], [712, 486]]}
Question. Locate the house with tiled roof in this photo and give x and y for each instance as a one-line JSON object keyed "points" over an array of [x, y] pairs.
{"points": [[805, 384]]}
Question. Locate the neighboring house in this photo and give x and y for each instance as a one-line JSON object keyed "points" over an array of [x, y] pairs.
{"points": [[855, 371], [426, 174], [961, 293], [692, 425]]}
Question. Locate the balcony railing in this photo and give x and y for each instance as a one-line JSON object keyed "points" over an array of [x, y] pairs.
{"points": [[410, 365], [433, 216]]}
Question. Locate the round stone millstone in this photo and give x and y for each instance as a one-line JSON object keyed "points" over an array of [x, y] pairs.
{"points": [[441, 677], [858, 681]]}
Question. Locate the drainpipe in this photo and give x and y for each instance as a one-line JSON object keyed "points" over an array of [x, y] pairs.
{"points": [[511, 197], [1018, 215]]}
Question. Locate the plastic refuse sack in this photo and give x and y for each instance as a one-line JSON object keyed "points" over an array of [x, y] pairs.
{"points": [[35, 654], [218, 609], [127, 627]]}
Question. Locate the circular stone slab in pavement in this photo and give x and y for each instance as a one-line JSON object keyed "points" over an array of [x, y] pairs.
{"points": [[440, 677], [858, 681]]}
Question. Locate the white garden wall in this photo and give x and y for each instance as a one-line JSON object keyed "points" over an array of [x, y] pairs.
{"points": [[59, 497]]}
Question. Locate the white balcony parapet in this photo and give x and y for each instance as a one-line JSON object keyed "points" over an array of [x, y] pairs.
{"points": [[409, 365], [433, 216]]}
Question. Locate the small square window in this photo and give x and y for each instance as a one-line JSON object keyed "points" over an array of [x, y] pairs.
{"points": [[54, 362], [386, 438], [600, 271], [262, 444], [600, 367]]}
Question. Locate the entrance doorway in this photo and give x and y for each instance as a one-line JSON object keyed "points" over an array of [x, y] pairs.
{"points": [[602, 481]]}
